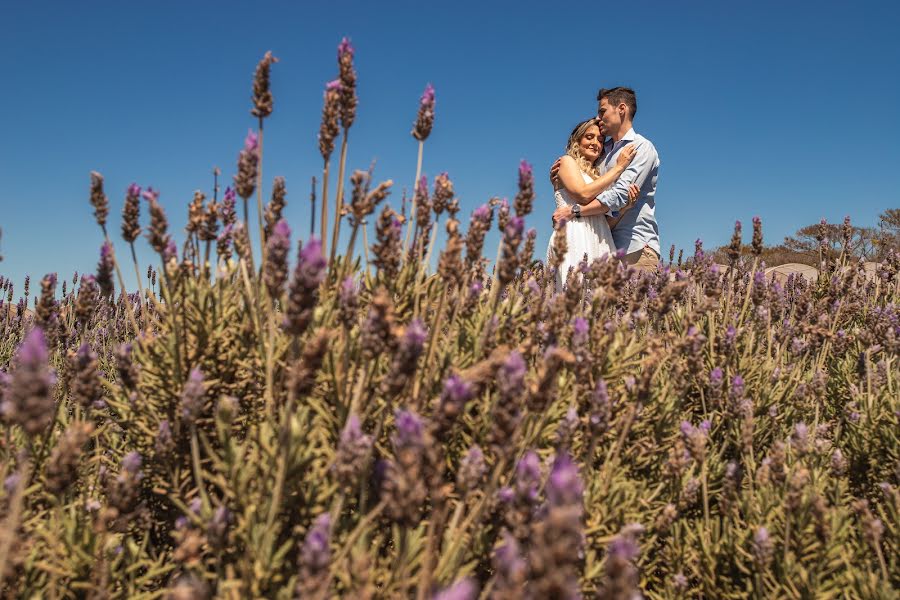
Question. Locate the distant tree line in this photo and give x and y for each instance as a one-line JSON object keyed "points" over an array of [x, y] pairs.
{"points": [[867, 243]]}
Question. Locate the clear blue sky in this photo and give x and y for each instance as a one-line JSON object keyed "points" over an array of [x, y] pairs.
{"points": [[785, 110]]}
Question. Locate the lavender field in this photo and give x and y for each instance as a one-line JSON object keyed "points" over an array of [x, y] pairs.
{"points": [[278, 415]]}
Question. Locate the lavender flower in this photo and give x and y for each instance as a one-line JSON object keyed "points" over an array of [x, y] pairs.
{"points": [[98, 199], [471, 471], [464, 589], [157, 234], [85, 387], [601, 409], [695, 439], [388, 248], [404, 487], [621, 575], [479, 224], [800, 438], [352, 453], [248, 166], [28, 401], [62, 466], [409, 346], [511, 570], [275, 270], [762, 548], [348, 302], [456, 393], [425, 118], [131, 213], [192, 397], [757, 243], [443, 193], [262, 96], [506, 411], [229, 214], [304, 288], [217, 528], [525, 196], [275, 206], [734, 248], [564, 487], [522, 498], [557, 541], [164, 443], [105, 270], [315, 557], [11, 483], [328, 129], [348, 83]]}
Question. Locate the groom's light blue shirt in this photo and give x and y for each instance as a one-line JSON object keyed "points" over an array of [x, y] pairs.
{"points": [[638, 227]]}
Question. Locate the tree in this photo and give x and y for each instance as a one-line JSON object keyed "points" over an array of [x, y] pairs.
{"points": [[888, 236], [830, 237]]}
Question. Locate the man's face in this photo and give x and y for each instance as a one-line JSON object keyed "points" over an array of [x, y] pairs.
{"points": [[610, 118]]}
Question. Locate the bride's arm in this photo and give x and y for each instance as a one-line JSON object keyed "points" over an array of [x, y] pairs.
{"points": [[595, 208], [571, 179]]}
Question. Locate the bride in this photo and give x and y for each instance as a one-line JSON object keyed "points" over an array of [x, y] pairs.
{"points": [[577, 184]]}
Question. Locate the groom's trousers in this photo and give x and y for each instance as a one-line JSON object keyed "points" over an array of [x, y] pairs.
{"points": [[645, 259]]}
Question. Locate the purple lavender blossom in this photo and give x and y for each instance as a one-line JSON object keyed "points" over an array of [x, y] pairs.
{"points": [[28, 399], [277, 247], [528, 476], [352, 434], [454, 396], [11, 483], [352, 454], [164, 441], [170, 252], [471, 470], [410, 429], [309, 272], [465, 589], [427, 95], [511, 376], [413, 340], [344, 48], [716, 378], [564, 486], [482, 213], [310, 263], [105, 270], [315, 554], [579, 332], [510, 567], [192, 396], [131, 462]]}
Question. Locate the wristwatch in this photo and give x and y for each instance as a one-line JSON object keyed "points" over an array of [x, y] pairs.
{"points": [[576, 211]]}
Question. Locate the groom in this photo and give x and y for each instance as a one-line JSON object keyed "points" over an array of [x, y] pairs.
{"points": [[637, 232]]}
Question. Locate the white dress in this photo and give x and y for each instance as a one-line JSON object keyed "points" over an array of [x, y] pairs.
{"points": [[589, 236]]}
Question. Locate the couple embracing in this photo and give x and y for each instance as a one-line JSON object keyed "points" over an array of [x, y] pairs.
{"points": [[606, 188]]}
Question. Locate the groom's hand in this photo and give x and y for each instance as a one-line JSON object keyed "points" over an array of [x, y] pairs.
{"points": [[554, 173], [563, 212]]}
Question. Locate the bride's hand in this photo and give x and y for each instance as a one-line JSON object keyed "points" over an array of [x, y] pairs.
{"points": [[625, 157], [633, 194], [554, 174]]}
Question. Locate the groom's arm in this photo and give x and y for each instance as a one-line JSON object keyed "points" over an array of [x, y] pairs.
{"points": [[616, 197]]}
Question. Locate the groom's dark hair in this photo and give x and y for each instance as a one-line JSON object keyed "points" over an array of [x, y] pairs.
{"points": [[619, 95]]}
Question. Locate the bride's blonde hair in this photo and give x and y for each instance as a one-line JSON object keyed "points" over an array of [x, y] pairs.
{"points": [[573, 148]]}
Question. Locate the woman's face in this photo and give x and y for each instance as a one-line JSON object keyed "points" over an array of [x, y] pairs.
{"points": [[591, 143]]}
